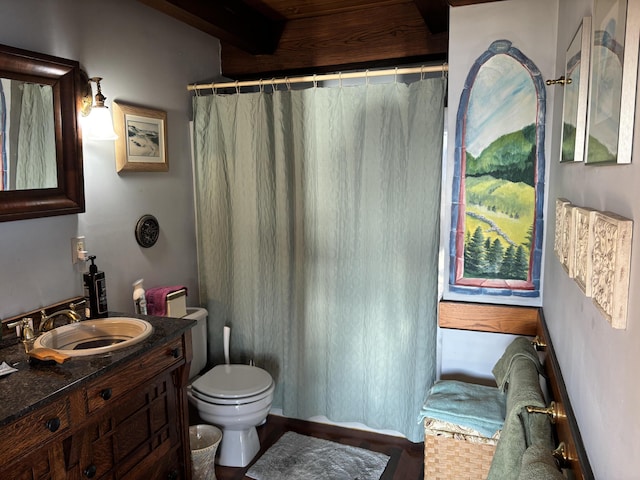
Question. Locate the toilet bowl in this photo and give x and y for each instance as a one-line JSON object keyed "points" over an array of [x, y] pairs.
{"points": [[235, 398]]}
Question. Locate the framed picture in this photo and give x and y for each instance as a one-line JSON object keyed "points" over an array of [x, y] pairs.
{"points": [[142, 138], [574, 108], [612, 81]]}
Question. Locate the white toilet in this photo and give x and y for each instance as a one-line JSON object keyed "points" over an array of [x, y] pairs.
{"points": [[235, 398]]}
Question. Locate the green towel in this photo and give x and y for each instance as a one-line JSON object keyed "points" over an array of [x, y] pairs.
{"points": [[521, 429], [538, 464], [520, 347]]}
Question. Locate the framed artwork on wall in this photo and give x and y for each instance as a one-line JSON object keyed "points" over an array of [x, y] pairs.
{"points": [[495, 243], [142, 138], [612, 81], [574, 108]]}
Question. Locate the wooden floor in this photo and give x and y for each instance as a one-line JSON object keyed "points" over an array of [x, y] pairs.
{"points": [[406, 462]]}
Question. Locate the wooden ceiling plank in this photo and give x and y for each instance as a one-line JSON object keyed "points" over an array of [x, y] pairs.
{"points": [[462, 3], [297, 9], [316, 44], [231, 21]]}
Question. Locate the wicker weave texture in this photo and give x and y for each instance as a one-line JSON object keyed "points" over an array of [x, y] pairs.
{"points": [[448, 458]]}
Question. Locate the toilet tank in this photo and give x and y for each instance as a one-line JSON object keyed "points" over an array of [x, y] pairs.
{"points": [[199, 339]]}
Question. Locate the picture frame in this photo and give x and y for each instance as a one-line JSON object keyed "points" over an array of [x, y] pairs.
{"points": [[612, 81], [142, 138], [575, 95]]}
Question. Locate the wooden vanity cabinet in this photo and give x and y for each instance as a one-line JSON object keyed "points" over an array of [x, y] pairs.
{"points": [[131, 423]]}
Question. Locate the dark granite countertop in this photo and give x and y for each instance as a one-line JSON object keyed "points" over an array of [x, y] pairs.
{"points": [[33, 386]]}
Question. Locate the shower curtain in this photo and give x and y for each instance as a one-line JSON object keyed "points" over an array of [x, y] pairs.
{"points": [[318, 230], [36, 166]]}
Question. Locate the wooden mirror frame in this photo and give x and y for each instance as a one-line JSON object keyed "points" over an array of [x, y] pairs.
{"points": [[64, 77]]}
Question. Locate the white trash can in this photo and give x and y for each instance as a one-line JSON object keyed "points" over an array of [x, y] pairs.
{"points": [[204, 441]]}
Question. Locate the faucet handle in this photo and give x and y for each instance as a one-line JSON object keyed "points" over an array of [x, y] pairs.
{"points": [[24, 328], [74, 305], [27, 329]]}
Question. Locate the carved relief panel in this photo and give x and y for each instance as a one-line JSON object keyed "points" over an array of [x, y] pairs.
{"points": [[563, 242], [594, 248], [582, 265], [611, 259]]}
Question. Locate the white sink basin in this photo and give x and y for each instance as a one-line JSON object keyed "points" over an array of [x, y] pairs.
{"points": [[92, 337]]}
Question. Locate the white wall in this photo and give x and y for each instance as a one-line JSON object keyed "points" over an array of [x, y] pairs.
{"points": [[598, 363], [145, 58]]}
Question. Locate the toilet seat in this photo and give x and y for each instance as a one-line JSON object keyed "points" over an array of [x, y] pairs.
{"points": [[233, 385], [237, 402]]}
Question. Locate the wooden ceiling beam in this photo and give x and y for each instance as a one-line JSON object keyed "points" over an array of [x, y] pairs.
{"points": [[231, 21], [335, 42], [435, 14], [462, 3]]}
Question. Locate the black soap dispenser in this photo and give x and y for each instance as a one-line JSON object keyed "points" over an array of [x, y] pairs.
{"points": [[95, 290]]}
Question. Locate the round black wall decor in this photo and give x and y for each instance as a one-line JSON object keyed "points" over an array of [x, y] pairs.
{"points": [[147, 231]]}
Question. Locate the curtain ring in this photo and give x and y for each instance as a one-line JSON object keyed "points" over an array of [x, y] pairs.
{"points": [[237, 87], [366, 77], [340, 78], [396, 75], [261, 86], [315, 82], [421, 72]]}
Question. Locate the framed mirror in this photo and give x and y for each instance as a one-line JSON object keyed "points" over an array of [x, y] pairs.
{"points": [[40, 142]]}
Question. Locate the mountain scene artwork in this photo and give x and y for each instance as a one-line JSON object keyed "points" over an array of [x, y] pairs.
{"points": [[498, 176]]}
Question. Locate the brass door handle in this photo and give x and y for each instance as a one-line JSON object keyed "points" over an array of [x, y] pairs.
{"points": [[552, 410], [538, 343], [560, 454], [559, 81]]}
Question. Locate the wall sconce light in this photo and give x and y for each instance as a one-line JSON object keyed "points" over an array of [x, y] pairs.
{"points": [[97, 124]]}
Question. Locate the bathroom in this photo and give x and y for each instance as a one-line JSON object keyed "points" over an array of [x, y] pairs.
{"points": [[147, 58]]}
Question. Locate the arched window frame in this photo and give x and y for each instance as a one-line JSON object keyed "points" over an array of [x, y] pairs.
{"points": [[519, 288]]}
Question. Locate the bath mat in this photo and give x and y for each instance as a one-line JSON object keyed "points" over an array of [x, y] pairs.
{"points": [[300, 457]]}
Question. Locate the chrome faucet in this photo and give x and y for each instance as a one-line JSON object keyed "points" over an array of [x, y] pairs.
{"points": [[46, 322]]}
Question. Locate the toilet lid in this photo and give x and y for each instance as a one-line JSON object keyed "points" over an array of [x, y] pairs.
{"points": [[233, 381]]}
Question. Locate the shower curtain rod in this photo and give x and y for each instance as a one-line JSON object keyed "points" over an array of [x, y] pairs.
{"points": [[322, 77]]}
